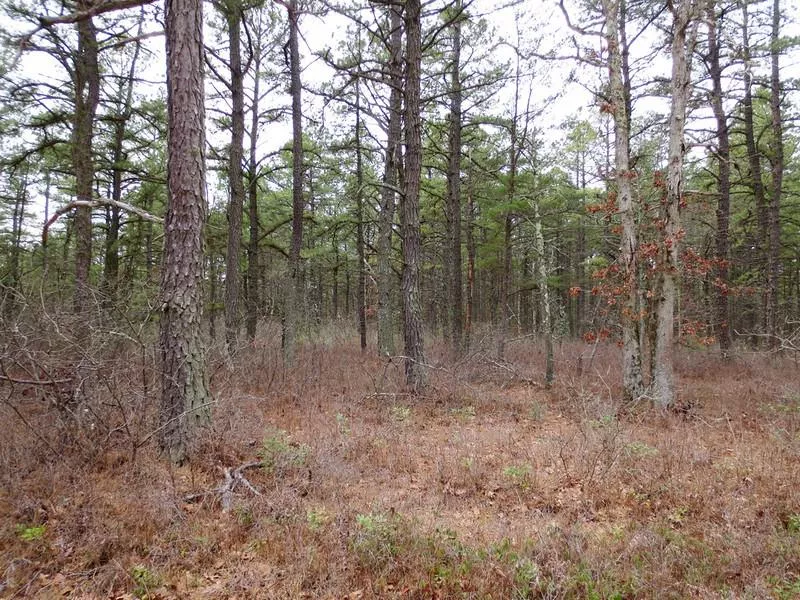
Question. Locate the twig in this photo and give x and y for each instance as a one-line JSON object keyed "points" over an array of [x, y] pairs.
{"points": [[146, 438], [29, 426]]}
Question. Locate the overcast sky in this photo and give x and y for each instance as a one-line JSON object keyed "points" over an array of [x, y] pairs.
{"points": [[540, 21]]}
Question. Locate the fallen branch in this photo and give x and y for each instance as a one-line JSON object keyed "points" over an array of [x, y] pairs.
{"points": [[34, 381], [233, 478], [502, 364], [94, 204]]}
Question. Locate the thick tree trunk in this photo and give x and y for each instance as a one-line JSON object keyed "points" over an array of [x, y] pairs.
{"points": [[773, 262], [233, 16], [87, 96], [412, 310], [633, 387], [455, 300], [185, 395], [294, 285], [722, 304], [683, 39], [386, 280]]}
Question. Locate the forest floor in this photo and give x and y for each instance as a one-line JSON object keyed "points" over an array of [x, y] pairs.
{"points": [[487, 486]]}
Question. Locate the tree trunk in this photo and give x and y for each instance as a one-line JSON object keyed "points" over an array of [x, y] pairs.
{"points": [[47, 190], [773, 262], [252, 191], [113, 221], [11, 297], [471, 306], [122, 117], [386, 280], [87, 96], [683, 39], [722, 304], [213, 279], [580, 251], [335, 273], [412, 311], [233, 16], [754, 158], [633, 387], [185, 395], [508, 226], [362, 274], [294, 285], [544, 296], [456, 311]]}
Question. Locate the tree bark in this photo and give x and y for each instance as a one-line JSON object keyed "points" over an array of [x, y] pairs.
{"points": [[360, 250], [456, 311], [470, 241], [233, 16], [722, 304], [294, 285], [754, 158], [86, 76], [506, 312], [544, 296], [11, 299], [683, 39], [580, 248], [633, 387], [386, 281], [252, 209], [185, 396], [412, 311], [773, 262]]}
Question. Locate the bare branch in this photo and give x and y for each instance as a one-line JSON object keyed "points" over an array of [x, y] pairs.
{"points": [[93, 11], [94, 204]]}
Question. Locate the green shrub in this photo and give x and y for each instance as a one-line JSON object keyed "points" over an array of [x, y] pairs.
{"points": [[279, 454], [31, 533]]}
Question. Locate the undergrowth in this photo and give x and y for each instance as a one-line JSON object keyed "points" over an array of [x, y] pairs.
{"points": [[481, 487]]}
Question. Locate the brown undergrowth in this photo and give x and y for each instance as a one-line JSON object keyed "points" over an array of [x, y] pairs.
{"points": [[487, 486]]}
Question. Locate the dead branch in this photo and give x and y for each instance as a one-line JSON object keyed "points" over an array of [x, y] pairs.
{"points": [[34, 381], [225, 491], [134, 39], [94, 10], [94, 204]]}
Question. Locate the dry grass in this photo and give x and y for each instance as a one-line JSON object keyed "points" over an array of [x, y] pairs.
{"points": [[486, 487]]}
